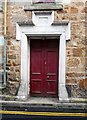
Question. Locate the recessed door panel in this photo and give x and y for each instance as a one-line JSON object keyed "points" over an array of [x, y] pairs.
{"points": [[36, 62]]}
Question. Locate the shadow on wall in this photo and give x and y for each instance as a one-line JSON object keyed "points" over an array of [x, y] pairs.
{"points": [[42, 1]]}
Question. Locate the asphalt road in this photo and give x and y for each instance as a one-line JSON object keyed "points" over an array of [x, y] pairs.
{"points": [[22, 112], [29, 117]]}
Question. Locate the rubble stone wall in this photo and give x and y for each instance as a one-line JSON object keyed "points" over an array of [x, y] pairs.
{"points": [[1, 45], [1, 34], [76, 52]]}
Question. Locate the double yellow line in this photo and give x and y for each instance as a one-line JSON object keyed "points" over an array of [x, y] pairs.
{"points": [[44, 113]]}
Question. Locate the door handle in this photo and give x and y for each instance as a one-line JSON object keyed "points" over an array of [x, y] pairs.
{"points": [[48, 77]]}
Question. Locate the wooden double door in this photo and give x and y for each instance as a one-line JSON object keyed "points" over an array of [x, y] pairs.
{"points": [[44, 64]]}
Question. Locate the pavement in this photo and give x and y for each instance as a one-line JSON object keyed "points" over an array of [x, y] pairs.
{"points": [[42, 109], [44, 104]]}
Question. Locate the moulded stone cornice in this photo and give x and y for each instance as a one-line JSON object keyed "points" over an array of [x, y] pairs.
{"points": [[1, 9], [44, 6], [26, 23], [60, 22]]}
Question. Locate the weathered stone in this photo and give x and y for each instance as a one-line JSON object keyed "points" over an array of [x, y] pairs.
{"points": [[83, 83], [78, 92], [15, 48], [74, 17], [14, 88], [12, 76], [61, 11], [17, 69], [9, 63], [10, 52], [73, 75], [69, 52], [84, 10], [7, 67], [74, 10], [80, 4], [12, 69], [9, 42], [78, 52], [12, 56], [71, 81], [73, 62], [16, 63], [82, 16]]}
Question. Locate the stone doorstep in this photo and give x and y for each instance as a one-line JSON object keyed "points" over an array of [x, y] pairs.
{"points": [[22, 99], [46, 107], [73, 104]]}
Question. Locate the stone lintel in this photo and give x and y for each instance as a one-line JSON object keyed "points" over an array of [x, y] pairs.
{"points": [[44, 6], [54, 23], [42, 12]]}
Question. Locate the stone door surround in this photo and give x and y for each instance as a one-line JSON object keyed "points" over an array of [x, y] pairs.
{"points": [[30, 29]]}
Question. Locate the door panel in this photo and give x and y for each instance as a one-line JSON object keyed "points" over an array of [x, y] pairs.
{"points": [[36, 72], [36, 61], [44, 68], [51, 72], [51, 61]]}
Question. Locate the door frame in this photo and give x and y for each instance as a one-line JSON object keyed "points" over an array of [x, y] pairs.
{"points": [[24, 31]]}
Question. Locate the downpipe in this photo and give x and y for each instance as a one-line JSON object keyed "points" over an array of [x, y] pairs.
{"points": [[5, 35]]}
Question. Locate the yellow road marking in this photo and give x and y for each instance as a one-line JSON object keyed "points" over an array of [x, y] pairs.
{"points": [[43, 113]]}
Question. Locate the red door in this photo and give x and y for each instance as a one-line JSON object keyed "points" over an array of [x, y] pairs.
{"points": [[44, 68]]}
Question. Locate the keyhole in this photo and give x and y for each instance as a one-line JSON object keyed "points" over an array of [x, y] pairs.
{"points": [[45, 62]]}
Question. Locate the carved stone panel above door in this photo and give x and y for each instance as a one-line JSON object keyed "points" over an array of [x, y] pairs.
{"points": [[42, 18]]}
